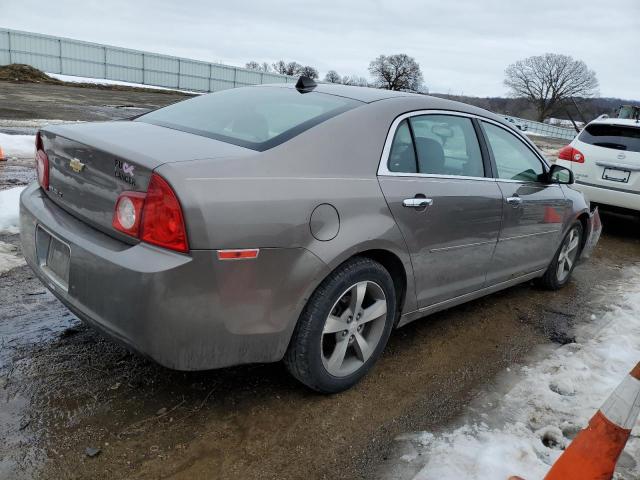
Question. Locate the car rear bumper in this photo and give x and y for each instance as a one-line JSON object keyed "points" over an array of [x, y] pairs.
{"points": [[187, 312], [615, 196], [594, 229]]}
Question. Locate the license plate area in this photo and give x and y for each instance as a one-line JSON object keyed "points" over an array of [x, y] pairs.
{"points": [[53, 257], [615, 175]]}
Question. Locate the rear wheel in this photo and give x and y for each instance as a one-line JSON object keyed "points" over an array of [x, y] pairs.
{"points": [[344, 327], [559, 271]]}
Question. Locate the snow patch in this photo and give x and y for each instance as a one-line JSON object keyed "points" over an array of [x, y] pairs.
{"points": [[104, 81], [9, 210], [18, 146], [9, 258], [550, 402]]}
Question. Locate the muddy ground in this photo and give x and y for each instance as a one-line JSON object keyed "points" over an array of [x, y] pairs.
{"points": [[65, 389]]}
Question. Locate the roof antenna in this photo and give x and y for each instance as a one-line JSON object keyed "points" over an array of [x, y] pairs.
{"points": [[305, 83]]}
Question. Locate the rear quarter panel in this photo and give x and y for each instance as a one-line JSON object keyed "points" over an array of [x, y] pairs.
{"points": [[266, 200]]}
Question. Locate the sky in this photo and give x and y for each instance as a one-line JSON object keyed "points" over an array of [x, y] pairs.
{"points": [[462, 46]]}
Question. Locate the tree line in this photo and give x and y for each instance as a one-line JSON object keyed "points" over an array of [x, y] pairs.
{"points": [[541, 86]]}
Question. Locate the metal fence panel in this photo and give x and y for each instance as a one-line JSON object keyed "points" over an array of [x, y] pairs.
{"points": [[83, 69], [124, 74], [197, 84], [195, 69], [546, 130], [123, 58], [85, 59], [217, 85], [5, 57]]}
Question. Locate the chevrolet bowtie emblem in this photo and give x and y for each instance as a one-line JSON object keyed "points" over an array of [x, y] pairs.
{"points": [[76, 165]]}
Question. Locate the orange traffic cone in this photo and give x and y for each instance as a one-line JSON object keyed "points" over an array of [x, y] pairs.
{"points": [[593, 454], [2, 157]]}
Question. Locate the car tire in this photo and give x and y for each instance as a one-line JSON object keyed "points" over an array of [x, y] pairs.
{"points": [[559, 271], [333, 316]]}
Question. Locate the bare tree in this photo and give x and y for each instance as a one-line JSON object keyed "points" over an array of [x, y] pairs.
{"points": [[355, 80], [260, 67], [549, 80], [332, 77], [294, 69], [396, 72], [308, 71]]}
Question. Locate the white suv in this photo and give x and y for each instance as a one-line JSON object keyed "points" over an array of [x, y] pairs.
{"points": [[605, 160]]}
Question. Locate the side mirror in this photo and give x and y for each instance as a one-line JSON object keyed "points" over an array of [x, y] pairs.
{"points": [[562, 175]]}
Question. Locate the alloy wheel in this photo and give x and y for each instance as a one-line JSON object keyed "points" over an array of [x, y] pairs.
{"points": [[353, 328], [568, 254]]}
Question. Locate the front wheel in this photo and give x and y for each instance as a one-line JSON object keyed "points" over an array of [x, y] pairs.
{"points": [[559, 271], [344, 327]]}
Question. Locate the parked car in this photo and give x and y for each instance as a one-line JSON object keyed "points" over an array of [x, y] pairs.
{"points": [[516, 123], [301, 223], [605, 160]]}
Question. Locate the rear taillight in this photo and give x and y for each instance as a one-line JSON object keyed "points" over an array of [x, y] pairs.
{"points": [[571, 154], [162, 221], [128, 213], [154, 217], [42, 163]]}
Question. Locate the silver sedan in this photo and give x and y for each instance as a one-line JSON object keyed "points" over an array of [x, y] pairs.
{"points": [[299, 222]]}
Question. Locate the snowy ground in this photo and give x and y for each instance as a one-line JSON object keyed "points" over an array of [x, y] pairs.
{"points": [[522, 426], [102, 81], [9, 225], [17, 146]]}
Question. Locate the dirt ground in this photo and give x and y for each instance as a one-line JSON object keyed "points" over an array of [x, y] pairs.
{"points": [[76, 405], [26, 101]]}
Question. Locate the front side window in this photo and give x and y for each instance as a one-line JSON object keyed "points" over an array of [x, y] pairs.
{"points": [[256, 117], [619, 137], [514, 160]]}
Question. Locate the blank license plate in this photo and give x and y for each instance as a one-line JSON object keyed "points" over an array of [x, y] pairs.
{"points": [[616, 175], [54, 257]]}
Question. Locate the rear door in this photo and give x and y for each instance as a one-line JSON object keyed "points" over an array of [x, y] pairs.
{"points": [[440, 193], [611, 155], [533, 209]]}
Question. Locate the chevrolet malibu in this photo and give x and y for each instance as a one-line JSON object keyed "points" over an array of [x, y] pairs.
{"points": [[293, 222]]}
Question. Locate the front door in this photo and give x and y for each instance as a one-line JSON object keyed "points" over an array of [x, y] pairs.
{"points": [[534, 210], [433, 178]]}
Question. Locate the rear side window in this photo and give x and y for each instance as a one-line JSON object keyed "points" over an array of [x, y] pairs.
{"points": [[619, 137], [402, 157], [436, 145], [258, 118], [447, 145]]}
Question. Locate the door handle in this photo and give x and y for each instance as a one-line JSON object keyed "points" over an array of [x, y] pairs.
{"points": [[417, 202], [515, 201]]}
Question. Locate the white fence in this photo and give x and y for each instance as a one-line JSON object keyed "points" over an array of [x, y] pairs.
{"points": [[84, 59], [547, 130]]}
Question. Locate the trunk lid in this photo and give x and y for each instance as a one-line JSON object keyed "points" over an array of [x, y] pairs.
{"points": [[92, 163]]}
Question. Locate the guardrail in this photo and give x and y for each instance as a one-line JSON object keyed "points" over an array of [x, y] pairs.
{"points": [[546, 130], [85, 59]]}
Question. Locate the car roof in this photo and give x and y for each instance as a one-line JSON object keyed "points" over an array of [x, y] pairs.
{"points": [[370, 95], [630, 122], [362, 94]]}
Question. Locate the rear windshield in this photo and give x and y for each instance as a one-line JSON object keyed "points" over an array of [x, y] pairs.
{"points": [[256, 117], [620, 137]]}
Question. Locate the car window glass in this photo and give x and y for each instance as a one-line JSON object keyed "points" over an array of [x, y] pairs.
{"points": [[618, 137], [402, 157], [254, 117], [447, 145], [514, 160]]}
